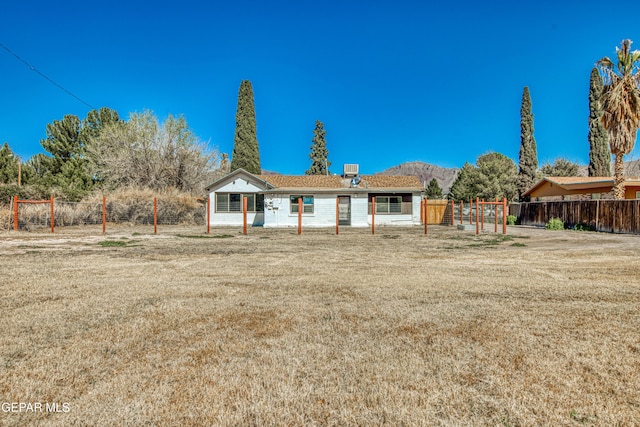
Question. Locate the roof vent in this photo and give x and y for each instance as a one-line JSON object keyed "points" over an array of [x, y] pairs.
{"points": [[350, 170]]}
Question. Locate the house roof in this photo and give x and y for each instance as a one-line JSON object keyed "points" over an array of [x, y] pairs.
{"points": [[308, 181], [564, 185], [233, 175], [335, 182], [328, 183]]}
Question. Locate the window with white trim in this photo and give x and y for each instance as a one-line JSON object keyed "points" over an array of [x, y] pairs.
{"points": [[307, 204], [388, 204], [233, 202]]}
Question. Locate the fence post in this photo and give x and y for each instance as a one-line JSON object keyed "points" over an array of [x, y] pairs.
{"points": [[104, 215], [155, 215], [495, 216], [453, 212], [209, 215], [461, 210], [373, 215], [244, 216], [15, 213], [477, 218], [426, 217], [504, 215], [337, 214], [482, 214], [53, 220], [299, 216]]}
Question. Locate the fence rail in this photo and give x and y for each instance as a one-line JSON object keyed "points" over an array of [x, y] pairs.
{"points": [[613, 216]]}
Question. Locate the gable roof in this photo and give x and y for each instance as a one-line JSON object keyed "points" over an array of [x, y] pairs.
{"points": [[325, 182], [565, 185], [234, 175]]}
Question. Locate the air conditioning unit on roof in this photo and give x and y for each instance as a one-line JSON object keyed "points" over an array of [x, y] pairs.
{"points": [[350, 170]]}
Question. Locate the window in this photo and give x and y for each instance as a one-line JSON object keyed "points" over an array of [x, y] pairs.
{"points": [[389, 204], [392, 204], [307, 204], [232, 202]]}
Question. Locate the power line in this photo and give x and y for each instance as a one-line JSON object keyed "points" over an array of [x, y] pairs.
{"points": [[33, 68]]}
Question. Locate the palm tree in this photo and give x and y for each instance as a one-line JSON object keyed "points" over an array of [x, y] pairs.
{"points": [[621, 102]]}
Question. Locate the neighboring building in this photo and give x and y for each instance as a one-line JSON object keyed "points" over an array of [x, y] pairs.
{"points": [[272, 200], [580, 187]]}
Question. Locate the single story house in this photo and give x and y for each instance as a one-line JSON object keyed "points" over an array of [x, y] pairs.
{"points": [[575, 186], [272, 200]]}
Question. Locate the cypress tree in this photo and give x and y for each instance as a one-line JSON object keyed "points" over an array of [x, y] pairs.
{"points": [[319, 153], [245, 145], [599, 153], [528, 160]]}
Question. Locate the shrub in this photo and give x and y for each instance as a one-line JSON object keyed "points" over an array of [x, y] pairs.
{"points": [[135, 205], [555, 224], [584, 227], [511, 219], [26, 192]]}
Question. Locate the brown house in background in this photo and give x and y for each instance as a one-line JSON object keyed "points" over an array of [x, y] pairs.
{"points": [[580, 187]]}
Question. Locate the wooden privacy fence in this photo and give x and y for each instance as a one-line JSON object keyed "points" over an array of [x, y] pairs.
{"points": [[437, 212], [613, 216]]}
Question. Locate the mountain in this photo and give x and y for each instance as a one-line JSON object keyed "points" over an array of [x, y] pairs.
{"points": [[425, 172], [631, 169]]}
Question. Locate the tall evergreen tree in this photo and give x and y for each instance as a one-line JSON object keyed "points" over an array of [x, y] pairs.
{"points": [[97, 120], [599, 153], [319, 154], [528, 160], [8, 165], [67, 169], [434, 191], [245, 145]]}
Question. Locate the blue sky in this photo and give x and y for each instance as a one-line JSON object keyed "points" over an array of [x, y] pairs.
{"points": [[392, 81]]}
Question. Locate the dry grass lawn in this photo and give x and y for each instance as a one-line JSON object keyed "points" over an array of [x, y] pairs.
{"points": [[449, 329]]}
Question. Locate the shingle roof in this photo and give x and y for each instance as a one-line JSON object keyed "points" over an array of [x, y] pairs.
{"points": [[588, 184], [392, 181], [578, 179], [334, 181], [307, 181]]}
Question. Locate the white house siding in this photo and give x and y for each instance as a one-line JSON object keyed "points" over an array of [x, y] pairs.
{"points": [[239, 185], [278, 211]]}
